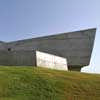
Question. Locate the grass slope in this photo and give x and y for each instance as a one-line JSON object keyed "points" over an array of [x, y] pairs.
{"points": [[28, 83]]}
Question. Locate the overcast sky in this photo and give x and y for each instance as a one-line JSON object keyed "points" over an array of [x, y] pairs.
{"points": [[20, 19]]}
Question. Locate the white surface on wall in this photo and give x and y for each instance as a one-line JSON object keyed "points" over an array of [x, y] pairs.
{"points": [[51, 61]]}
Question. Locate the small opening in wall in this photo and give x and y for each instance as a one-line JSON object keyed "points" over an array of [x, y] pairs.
{"points": [[9, 49]]}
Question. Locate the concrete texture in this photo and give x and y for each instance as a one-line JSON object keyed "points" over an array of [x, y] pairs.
{"points": [[51, 61], [76, 47]]}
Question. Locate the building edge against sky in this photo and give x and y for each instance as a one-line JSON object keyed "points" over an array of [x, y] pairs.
{"points": [[76, 47]]}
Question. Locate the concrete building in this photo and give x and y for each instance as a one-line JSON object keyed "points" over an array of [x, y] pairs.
{"points": [[76, 47]]}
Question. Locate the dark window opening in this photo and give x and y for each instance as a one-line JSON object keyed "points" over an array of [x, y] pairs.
{"points": [[9, 49]]}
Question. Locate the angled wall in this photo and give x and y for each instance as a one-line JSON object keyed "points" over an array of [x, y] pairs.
{"points": [[75, 46], [51, 61]]}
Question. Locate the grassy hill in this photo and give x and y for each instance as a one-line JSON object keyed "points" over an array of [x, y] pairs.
{"points": [[28, 83]]}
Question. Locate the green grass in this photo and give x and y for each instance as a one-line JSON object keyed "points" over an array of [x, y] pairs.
{"points": [[31, 83]]}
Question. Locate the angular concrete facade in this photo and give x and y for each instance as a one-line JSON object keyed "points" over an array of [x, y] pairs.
{"points": [[51, 61], [76, 47]]}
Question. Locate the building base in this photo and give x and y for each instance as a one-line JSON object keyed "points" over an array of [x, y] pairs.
{"points": [[74, 68]]}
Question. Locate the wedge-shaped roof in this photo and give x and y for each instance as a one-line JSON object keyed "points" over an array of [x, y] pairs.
{"points": [[76, 47]]}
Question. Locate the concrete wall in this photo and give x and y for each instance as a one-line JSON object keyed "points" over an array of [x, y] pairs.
{"points": [[51, 61], [75, 46], [18, 58]]}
